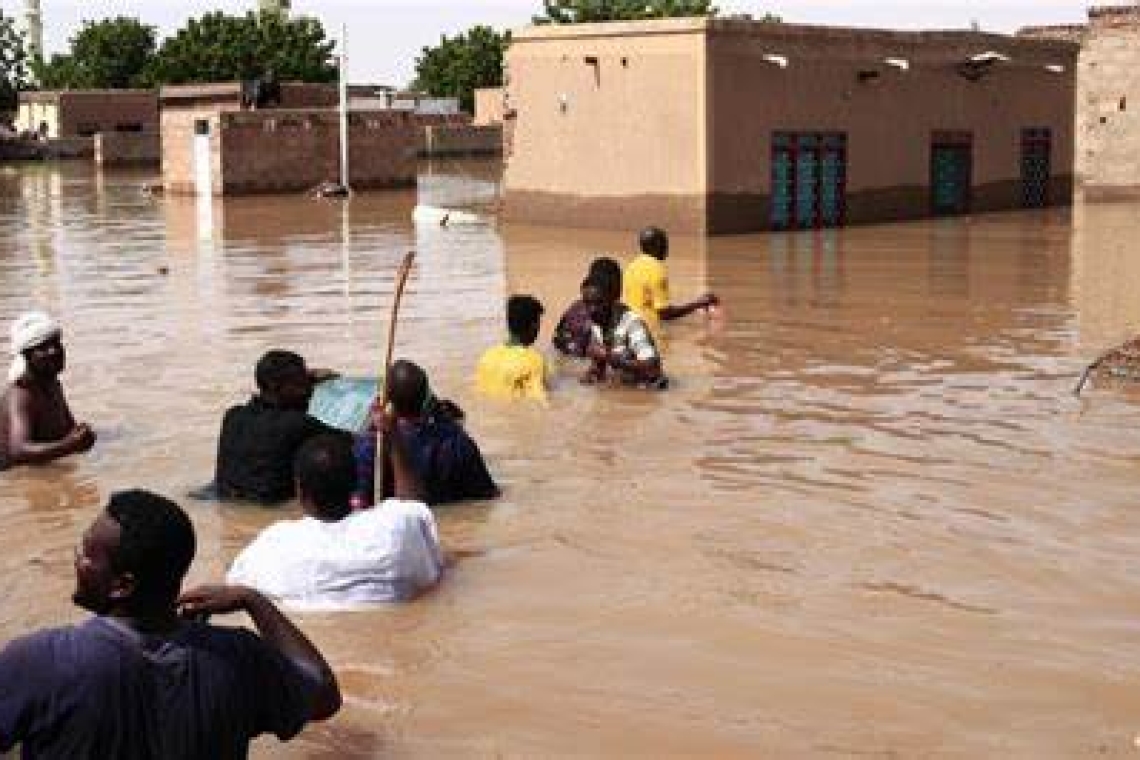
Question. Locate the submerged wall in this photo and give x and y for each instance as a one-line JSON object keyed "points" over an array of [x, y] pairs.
{"points": [[673, 122]]}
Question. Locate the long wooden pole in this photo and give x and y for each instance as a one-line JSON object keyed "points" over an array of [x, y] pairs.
{"points": [[378, 465]]}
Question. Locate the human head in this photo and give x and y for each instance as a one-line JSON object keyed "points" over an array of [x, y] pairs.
{"points": [[133, 557], [283, 379], [654, 242], [407, 388], [600, 293], [35, 342], [326, 476], [524, 317], [605, 266]]}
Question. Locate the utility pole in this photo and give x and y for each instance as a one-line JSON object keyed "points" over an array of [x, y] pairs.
{"points": [[342, 67]]}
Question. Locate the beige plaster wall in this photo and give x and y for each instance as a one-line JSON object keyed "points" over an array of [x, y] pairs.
{"points": [[1108, 133], [630, 126], [674, 122], [490, 103]]}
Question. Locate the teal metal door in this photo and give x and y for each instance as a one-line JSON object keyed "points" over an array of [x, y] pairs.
{"points": [[809, 177], [832, 180], [783, 178], [950, 178], [807, 181]]}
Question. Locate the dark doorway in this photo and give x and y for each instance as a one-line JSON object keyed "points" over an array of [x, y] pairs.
{"points": [[951, 169], [1036, 166]]}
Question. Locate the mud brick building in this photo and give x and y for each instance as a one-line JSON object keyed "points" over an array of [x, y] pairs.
{"points": [[732, 125]]}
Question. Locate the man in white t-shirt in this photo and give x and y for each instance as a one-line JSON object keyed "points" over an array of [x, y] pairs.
{"points": [[334, 558]]}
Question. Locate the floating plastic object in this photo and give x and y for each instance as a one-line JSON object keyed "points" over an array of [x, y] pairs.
{"points": [[445, 217]]}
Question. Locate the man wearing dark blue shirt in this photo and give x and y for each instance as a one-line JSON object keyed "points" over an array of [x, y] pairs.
{"points": [[146, 677], [440, 451]]}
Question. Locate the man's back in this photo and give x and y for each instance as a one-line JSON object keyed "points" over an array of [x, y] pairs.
{"points": [[388, 553], [101, 690], [512, 372], [256, 448], [645, 288]]}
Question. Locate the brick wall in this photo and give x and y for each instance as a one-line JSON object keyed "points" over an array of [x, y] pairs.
{"points": [[88, 112], [463, 140], [127, 148], [291, 150]]}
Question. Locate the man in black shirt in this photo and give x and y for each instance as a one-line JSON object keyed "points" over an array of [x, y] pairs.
{"points": [[260, 439], [139, 681]]}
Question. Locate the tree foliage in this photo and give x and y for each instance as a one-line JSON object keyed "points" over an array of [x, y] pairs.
{"points": [[459, 65], [583, 11], [114, 53], [219, 48], [13, 62]]}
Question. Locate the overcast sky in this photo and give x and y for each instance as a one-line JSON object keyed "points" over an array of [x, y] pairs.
{"points": [[385, 36]]}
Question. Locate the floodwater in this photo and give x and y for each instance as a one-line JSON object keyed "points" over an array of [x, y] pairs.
{"points": [[870, 518]]}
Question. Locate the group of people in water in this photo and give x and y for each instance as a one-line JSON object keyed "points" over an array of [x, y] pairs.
{"points": [[148, 676]]}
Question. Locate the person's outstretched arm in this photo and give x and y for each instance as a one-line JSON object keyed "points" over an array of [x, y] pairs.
{"points": [[277, 631], [676, 311]]}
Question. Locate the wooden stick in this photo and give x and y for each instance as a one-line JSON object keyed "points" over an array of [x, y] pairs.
{"points": [[378, 465]]}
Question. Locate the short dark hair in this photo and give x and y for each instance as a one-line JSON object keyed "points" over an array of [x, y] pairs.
{"points": [[653, 241], [606, 267], [407, 387], [276, 367], [607, 280], [523, 312], [156, 543], [326, 473]]}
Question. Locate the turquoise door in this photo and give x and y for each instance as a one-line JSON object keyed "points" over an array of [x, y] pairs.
{"points": [[808, 179], [782, 173], [950, 179], [832, 180]]}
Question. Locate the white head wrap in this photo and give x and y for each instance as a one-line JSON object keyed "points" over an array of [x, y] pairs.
{"points": [[29, 330]]}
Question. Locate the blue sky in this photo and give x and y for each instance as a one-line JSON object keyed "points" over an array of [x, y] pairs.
{"points": [[385, 36]]}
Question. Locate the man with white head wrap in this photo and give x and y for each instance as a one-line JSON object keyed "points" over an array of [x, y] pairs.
{"points": [[36, 425]]}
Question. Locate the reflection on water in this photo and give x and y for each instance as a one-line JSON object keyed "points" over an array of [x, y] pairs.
{"points": [[869, 518]]}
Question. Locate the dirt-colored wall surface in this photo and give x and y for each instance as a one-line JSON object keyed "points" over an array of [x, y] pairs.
{"points": [[1108, 111], [671, 121], [838, 80], [609, 123]]}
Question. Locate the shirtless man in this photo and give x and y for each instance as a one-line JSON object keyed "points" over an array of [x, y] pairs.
{"points": [[36, 425]]}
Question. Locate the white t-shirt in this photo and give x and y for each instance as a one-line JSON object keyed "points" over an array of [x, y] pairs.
{"points": [[385, 554]]}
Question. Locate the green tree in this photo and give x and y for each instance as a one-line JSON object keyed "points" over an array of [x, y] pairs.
{"points": [[13, 63], [221, 48], [457, 66], [583, 11], [114, 53]]}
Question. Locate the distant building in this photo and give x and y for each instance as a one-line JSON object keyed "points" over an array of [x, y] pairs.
{"points": [[725, 126], [84, 113], [212, 146], [368, 97]]}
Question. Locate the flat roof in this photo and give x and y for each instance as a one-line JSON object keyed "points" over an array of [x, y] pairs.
{"points": [[776, 31], [43, 96]]}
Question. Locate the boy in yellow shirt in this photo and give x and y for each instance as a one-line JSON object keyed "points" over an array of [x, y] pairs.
{"points": [[646, 283], [515, 369]]}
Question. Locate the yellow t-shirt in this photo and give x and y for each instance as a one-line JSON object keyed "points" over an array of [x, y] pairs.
{"points": [[645, 288], [512, 372]]}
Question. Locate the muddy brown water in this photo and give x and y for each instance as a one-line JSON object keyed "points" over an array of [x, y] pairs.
{"points": [[870, 518]]}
